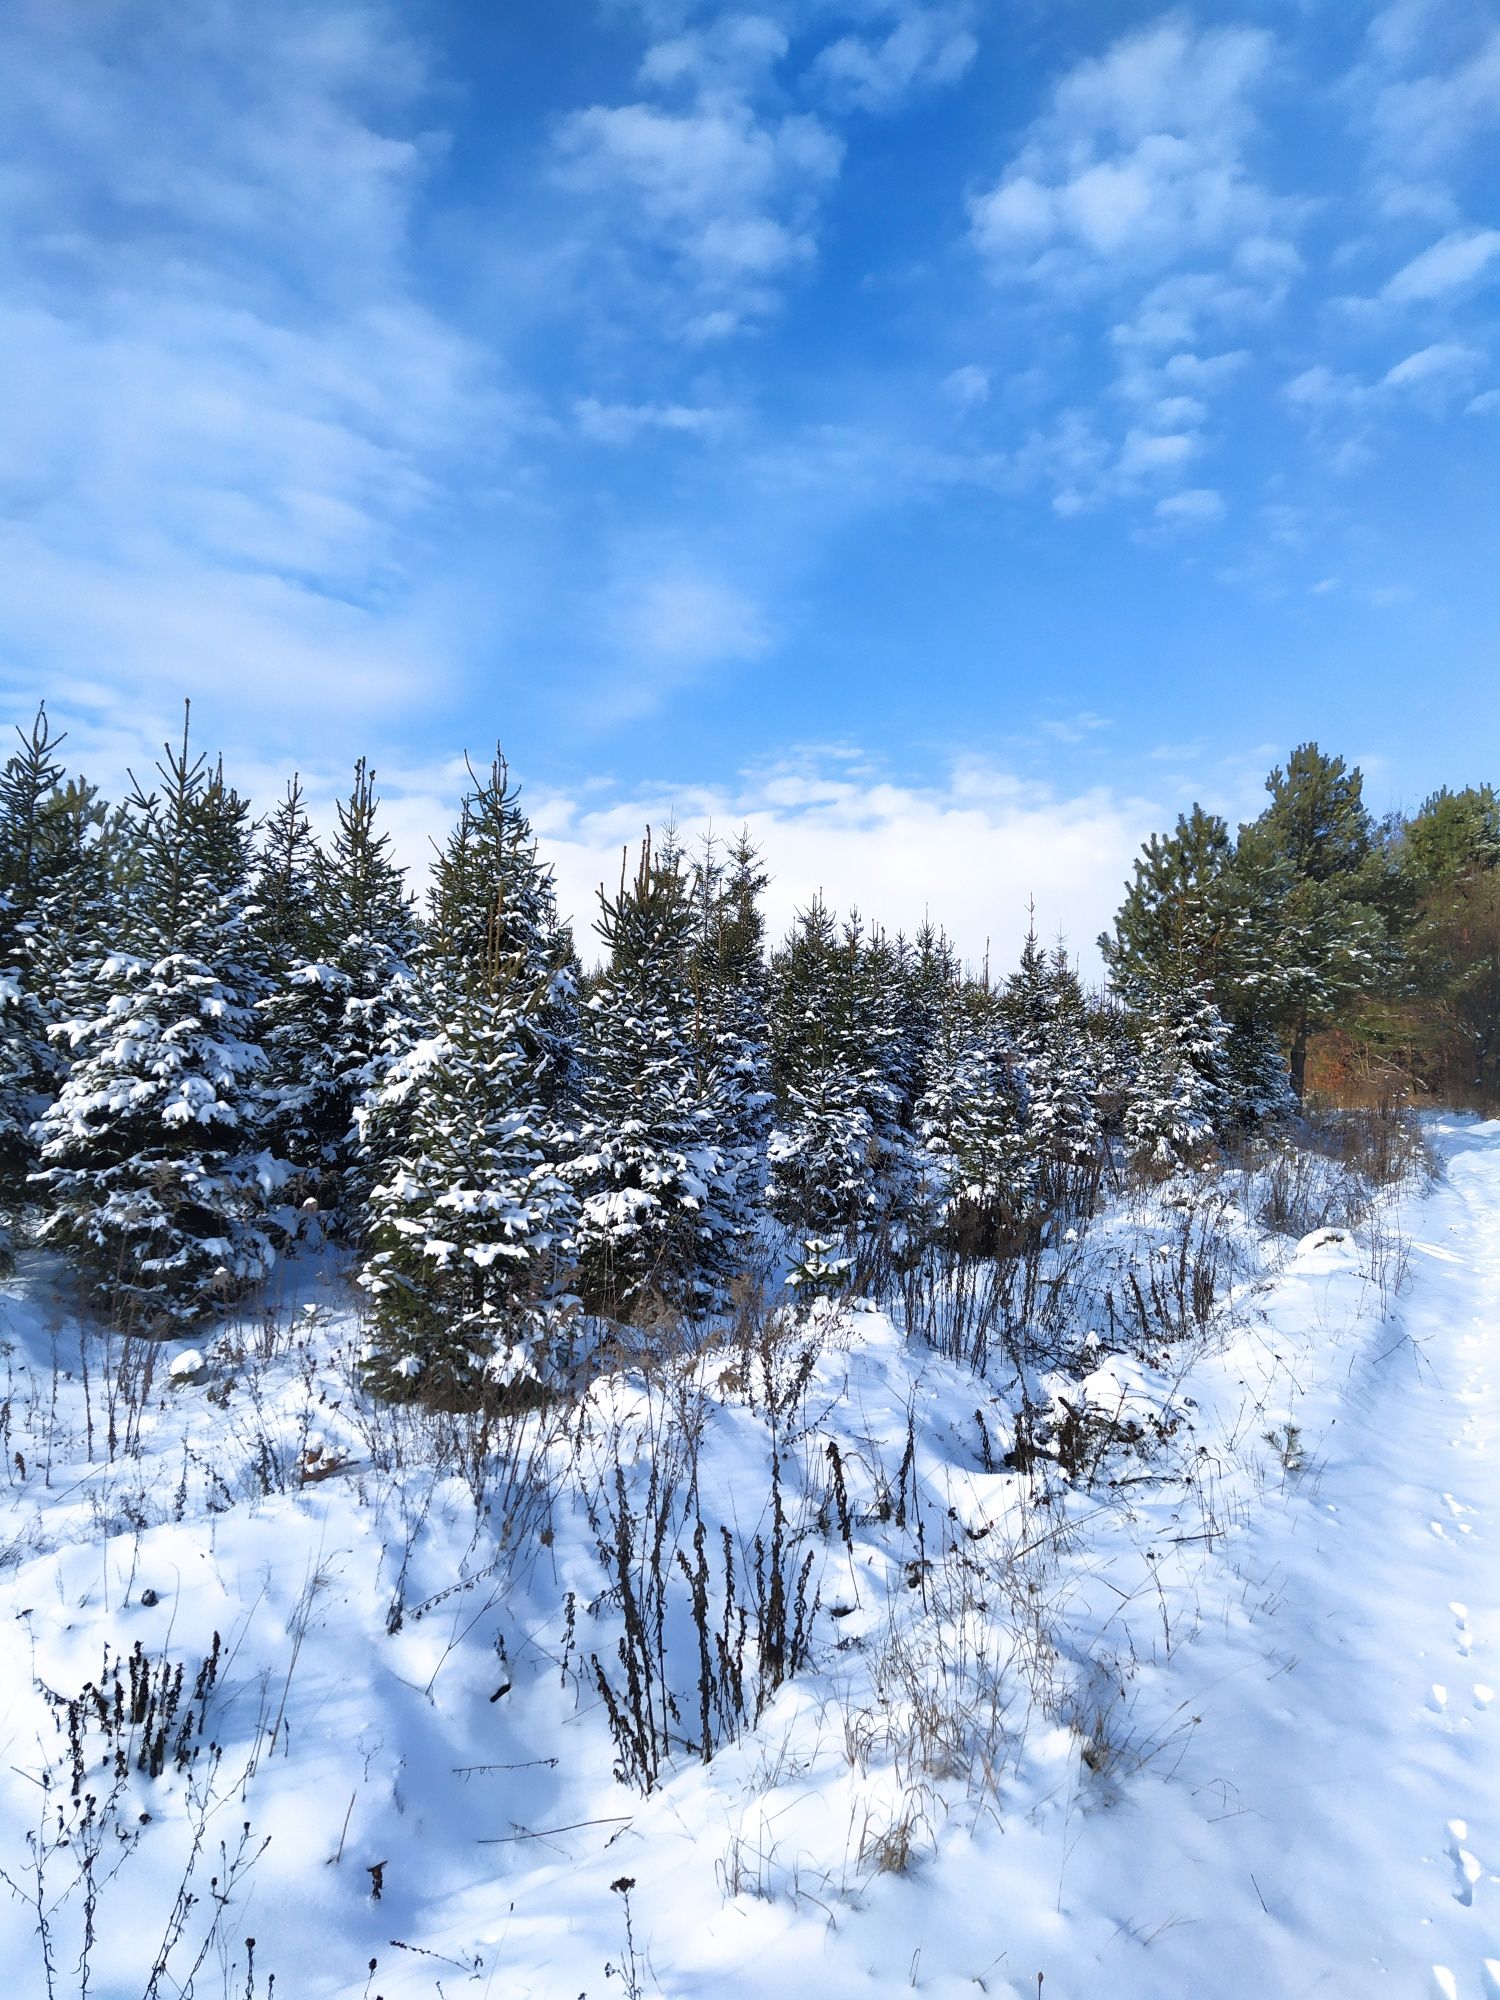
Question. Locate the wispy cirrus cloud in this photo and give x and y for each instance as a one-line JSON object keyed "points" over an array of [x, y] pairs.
{"points": [[1454, 262], [231, 408], [1134, 205], [906, 48]]}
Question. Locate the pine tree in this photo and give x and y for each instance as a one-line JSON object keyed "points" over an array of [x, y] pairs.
{"points": [[1180, 1095], [1313, 855], [28, 783], [1198, 919], [841, 1162], [822, 1141], [1044, 1009], [284, 930], [152, 1170], [345, 1014], [731, 1030], [656, 1222], [471, 1224], [889, 1033], [1441, 1010], [972, 1118]]}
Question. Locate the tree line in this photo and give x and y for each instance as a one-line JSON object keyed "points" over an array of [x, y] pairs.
{"points": [[214, 1027]]}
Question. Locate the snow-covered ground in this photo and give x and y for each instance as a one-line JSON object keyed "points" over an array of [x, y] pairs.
{"points": [[1211, 1716]]}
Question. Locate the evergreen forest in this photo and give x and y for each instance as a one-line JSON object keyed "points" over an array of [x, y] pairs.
{"points": [[223, 1037]]}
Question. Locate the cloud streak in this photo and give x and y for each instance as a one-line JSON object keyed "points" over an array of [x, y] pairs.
{"points": [[233, 411]]}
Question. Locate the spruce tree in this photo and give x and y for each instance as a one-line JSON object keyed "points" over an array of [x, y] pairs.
{"points": [[1196, 920], [822, 1145], [843, 1163], [284, 929], [1180, 1095], [1043, 1007], [656, 1192], [152, 1170], [888, 1033], [28, 784], [90, 873], [471, 1223], [731, 1029], [346, 1014], [972, 1118]]}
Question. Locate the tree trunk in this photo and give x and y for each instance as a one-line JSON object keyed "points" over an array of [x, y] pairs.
{"points": [[1299, 1060]]}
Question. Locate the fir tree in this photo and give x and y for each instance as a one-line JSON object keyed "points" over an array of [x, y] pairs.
{"points": [[28, 784], [656, 1223], [972, 1118], [284, 929], [731, 1026], [1179, 1097], [1044, 1009], [1197, 920], [343, 1013], [841, 1161], [471, 1223], [152, 1171]]}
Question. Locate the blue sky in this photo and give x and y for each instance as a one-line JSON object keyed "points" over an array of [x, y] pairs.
{"points": [[950, 436]]}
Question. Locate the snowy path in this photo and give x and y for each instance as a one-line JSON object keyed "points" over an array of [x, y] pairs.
{"points": [[1336, 1827], [1366, 1776], [1333, 1826]]}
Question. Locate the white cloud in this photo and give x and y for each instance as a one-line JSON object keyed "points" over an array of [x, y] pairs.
{"points": [[732, 55], [1433, 374], [1146, 453], [1455, 261], [970, 850], [623, 423], [1138, 163], [1442, 364], [926, 47], [1431, 83], [968, 385], [713, 202], [1193, 505], [229, 416], [664, 623], [1135, 192]]}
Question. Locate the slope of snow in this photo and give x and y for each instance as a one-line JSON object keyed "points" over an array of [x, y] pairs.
{"points": [[1217, 1720]]}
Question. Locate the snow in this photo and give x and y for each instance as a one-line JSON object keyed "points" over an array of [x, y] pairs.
{"points": [[1218, 1720]]}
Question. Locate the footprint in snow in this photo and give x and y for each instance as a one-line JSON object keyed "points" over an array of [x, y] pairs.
{"points": [[1444, 1985], [1465, 1637], [1483, 1695], [1467, 1865], [1437, 1700], [1492, 1977]]}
